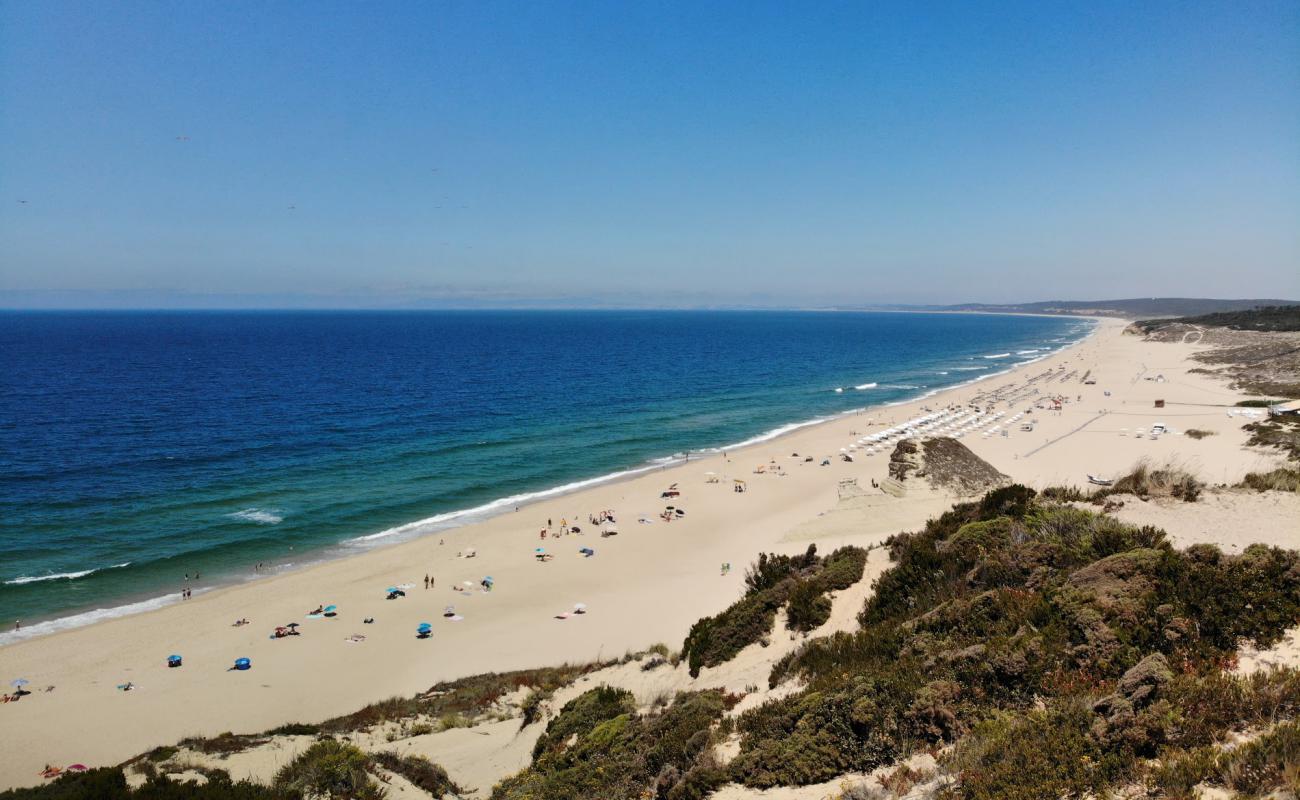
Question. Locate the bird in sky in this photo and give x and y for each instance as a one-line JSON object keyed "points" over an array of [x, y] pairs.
{"points": [[182, 138]]}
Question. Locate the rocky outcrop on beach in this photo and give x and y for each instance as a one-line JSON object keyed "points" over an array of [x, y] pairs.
{"points": [[944, 464]]}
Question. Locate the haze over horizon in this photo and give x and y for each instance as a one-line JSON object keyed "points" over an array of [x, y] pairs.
{"points": [[415, 155]]}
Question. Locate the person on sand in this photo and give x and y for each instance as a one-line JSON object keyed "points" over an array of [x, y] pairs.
{"points": [[426, 582]]}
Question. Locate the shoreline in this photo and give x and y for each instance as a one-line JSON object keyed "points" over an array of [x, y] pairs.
{"points": [[342, 550], [648, 585]]}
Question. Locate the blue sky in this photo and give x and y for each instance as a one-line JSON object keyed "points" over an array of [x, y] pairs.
{"points": [[483, 153]]}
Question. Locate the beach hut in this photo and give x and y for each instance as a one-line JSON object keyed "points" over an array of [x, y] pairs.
{"points": [[173, 661]]}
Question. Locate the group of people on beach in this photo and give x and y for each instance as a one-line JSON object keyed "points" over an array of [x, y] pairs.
{"points": [[600, 518]]}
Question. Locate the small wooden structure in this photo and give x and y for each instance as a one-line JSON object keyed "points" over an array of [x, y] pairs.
{"points": [[1160, 404]]}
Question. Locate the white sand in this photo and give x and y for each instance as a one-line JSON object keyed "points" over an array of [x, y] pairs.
{"points": [[646, 585]]}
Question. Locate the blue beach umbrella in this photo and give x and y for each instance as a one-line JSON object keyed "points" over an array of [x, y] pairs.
{"points": [[243, 663], [391, 589], [19, 683], [331, 608]]}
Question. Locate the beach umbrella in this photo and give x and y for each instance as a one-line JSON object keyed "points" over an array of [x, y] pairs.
{"points": [[539, 550], [291, 625], [488, 579], [391, 589], [19, 683], [331, 608], [243, 663], [579, 606], [423, 626], [470, 584]]}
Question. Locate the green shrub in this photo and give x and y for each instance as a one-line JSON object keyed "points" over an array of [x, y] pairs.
{"points": [[108, 783], [1146, 481], [770, 582], [628, 755], [1282, 479], [808, 608], [420, 771], [329, 768], [1027, 757], [584, 712], [294, 729]]}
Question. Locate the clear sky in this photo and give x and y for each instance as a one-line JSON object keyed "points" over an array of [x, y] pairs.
{"points": [[485, 153]]}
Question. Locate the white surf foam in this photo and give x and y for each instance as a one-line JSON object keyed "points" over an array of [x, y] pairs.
{"points": [[61, 576], [998, 355], [85, 618], [261, 516], [864, 386]]}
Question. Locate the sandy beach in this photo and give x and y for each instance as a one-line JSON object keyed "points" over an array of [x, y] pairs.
{"points": [[646, 584]]}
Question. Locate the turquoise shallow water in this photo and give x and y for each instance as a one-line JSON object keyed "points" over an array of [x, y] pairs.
{"points": [[138, 447]]}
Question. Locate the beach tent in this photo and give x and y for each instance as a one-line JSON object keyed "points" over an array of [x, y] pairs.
{"points": [[243, 664], [173, 661]]}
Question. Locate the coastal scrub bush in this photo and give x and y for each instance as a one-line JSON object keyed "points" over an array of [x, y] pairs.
{"points": [[329, 768], [583, 713], [420, 771], [224, 744], [1282, 479], [591, 755], [1197, 433], [109, 783], [809, 607], [294, 729], [1015, 600], [1047, 753], [1147, 482], [770, 581], [469, 697]]}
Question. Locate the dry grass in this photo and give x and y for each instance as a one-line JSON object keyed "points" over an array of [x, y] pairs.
{"points": [[1282, 479], [1148, 481]]}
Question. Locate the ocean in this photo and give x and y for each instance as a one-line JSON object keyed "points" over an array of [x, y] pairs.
{"points": [[139, 447]]}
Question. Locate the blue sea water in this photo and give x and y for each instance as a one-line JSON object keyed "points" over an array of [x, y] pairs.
{"points": [[136, 447]]}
